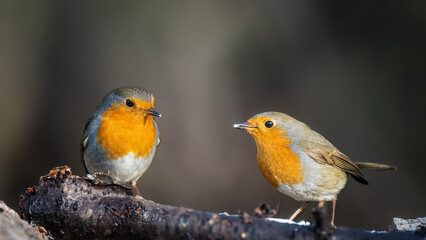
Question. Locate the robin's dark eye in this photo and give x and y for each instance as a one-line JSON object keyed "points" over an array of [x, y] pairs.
{"points": [[129, 103], [269, 124]]}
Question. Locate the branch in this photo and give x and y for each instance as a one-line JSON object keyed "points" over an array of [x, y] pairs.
{"points": [[72, 207], [12, 227]]}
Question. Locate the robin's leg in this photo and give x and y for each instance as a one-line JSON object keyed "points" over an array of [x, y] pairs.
{"points": [[333, 212], [135, 188], [298, 211]]}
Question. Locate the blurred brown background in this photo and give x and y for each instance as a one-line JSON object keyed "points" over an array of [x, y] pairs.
{"points": [[354, 72]]}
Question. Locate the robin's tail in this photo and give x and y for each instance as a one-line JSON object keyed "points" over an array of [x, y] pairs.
{"points": [[375, 166]]}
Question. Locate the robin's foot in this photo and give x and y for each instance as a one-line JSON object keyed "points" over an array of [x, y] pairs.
{"points": [[136, 189], [298, 211]]}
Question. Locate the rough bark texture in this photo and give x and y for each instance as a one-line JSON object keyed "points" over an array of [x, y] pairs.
{"points": [[72, 207], [12, 227]]}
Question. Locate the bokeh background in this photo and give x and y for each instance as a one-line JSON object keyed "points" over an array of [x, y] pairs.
{"points": [[355, 72]]}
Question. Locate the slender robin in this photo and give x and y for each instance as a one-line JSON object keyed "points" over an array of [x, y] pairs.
{"points": [[121, 136], [301, 163]]}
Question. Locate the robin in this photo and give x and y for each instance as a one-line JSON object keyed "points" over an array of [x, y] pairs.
{"points": [[121, 136], [299, 162]]}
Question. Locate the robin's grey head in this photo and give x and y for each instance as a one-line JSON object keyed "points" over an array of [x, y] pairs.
{"points": [[134, 92], [130, 97]]}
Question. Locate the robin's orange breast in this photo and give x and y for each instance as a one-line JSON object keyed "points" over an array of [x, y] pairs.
{"points": [[276, 160], [123, 131]]}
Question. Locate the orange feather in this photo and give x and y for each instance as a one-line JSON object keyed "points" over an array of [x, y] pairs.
{"points": [[124, 130], [276, 161]]}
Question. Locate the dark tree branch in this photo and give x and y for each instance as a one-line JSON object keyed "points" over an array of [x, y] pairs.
{"points": [[71, 207]]}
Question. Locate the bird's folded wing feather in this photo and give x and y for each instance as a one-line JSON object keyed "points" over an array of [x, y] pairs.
{"points": [[84, 143], [322, 151]]}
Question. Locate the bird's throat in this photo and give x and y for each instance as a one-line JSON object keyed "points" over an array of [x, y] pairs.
{"points": [[122, 132], [277, 162]]}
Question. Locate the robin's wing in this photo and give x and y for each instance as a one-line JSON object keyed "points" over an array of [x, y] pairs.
{"points": [[158, 132], [84, 142], [83, 145], [322, 151], [159, 139]]}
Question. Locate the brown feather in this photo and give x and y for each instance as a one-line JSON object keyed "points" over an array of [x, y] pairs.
{"points": [[341, 161], [375, 166], [322, 151]]}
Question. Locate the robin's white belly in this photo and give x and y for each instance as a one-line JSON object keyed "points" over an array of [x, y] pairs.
{"points": [[128, 168], [125, 169]]}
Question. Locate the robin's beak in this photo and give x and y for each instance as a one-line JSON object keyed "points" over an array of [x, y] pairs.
{"points": [[152, 112], [244, 126]]}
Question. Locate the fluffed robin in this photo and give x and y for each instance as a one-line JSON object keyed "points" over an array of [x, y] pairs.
{"points": [[121, 136], [301, 163]]}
